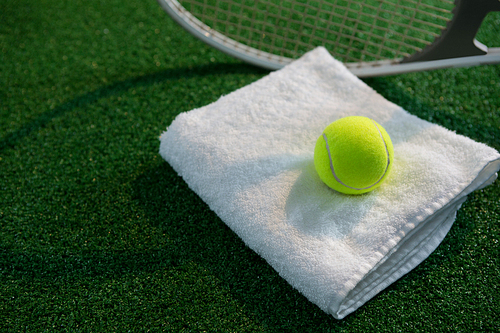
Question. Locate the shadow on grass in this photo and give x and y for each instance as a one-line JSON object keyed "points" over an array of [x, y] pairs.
{"points": [[11, 139], [198, 235]]}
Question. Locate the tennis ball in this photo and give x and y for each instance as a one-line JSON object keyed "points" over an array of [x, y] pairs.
{"points": [[353, 155]]}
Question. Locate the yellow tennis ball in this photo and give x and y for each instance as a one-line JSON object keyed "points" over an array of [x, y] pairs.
{"points": [[353, 155]]}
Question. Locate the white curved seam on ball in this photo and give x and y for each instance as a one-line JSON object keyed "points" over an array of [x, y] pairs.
{"points": [[333, 170], [386, 151]]}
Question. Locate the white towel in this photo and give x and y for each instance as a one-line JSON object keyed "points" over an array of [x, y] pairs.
{"points": [[249, 156]]}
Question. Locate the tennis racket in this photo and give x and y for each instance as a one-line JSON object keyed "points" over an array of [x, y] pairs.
{"points": [[371, 37]]}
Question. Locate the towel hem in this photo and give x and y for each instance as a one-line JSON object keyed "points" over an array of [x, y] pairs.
{"points": [[483, 177]]}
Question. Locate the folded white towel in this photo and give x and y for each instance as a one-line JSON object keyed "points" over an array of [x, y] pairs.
{"points": [[249, 156]]}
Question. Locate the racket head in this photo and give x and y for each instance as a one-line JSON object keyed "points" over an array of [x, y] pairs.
{"points": [[371, 37]]}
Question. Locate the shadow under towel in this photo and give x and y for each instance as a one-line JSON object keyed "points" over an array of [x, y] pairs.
{"points": [[249, 156]]}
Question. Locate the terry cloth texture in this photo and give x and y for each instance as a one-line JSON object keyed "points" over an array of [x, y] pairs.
{"points": [[249, 156]]}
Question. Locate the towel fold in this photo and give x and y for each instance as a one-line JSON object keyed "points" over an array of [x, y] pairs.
{"points": [[249, 156]]}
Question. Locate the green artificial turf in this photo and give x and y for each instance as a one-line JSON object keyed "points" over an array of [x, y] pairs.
{"points": [[98, 233]]}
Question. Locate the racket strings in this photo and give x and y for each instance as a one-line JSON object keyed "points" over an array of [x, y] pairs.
{"points": [[352, 30]]}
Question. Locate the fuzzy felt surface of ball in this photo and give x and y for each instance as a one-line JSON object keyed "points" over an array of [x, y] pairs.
{"points": [[353, 155]]}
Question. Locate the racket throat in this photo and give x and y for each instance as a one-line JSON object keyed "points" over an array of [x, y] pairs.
{"points": [[458, 39]]}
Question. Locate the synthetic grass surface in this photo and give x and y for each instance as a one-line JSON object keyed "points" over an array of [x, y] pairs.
{"points": [[98, 233]]}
